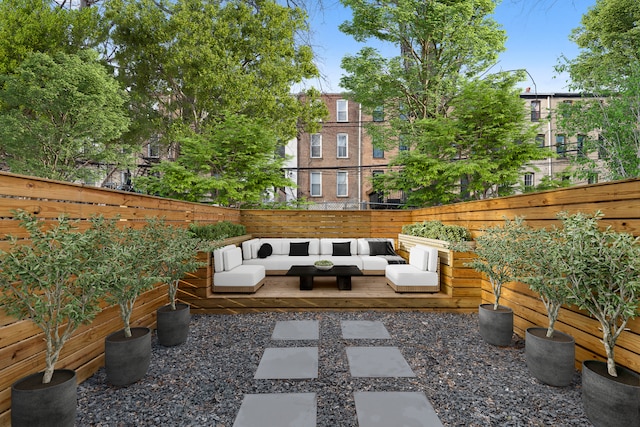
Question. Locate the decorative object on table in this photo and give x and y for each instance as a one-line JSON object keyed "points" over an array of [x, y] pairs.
{"points": [[323, 264]]}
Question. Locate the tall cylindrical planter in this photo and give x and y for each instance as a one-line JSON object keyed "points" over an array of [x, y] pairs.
{"points": [[34, 404], [496, 326], [610, 401], [550, 360], [127, 360], [173, 325]]}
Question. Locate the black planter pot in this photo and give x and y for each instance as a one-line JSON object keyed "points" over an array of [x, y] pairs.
{"points": [[173, 325], [35, 404], [496, 326], [550, 360], [127, 360], [610, 401]]}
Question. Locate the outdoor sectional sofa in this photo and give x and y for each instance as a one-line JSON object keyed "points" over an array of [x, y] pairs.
{"points": [[277, 255]]}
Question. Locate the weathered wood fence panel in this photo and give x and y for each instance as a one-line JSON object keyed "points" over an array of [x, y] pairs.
{"points": [[21, 342]]}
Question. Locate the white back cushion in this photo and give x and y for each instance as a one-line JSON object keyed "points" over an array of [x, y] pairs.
{"points": [[433, 259], [419, 257], [218, 259], [247, 248], [277, 246], [232, 258]]}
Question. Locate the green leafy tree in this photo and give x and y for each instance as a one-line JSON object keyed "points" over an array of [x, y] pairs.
{"points": [[28, 26], [60, 114], [607, 67], [233, 162], [194, 64], [475, 152]]}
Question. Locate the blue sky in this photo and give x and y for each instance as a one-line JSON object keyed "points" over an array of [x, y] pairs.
{"points": [[537, 35]]}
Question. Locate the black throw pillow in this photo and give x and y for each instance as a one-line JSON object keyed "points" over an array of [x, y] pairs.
{"points": [[378, 248], [299, 249], [342, 249], [265, 250]]}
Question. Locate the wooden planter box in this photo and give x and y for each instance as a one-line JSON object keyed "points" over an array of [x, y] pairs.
{"points": [[199, 283], [456, 279]]}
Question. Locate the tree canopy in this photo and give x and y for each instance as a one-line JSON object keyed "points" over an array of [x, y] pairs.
{"points": [[60, 114], [607, 67]]}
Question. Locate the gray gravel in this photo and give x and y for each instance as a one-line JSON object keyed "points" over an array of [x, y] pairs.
{"points": [[202, 382]]}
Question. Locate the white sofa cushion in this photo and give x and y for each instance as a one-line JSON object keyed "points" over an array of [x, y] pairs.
{"points": [[250, 248], [218, 258], [232, 258], [244, 275], [407, 275], [373, 263], [282, 262], [419, 258]]}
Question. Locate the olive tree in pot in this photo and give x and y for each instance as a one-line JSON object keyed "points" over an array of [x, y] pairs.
{"points": [[603, 271], [496, 257], [51, 281], [550, 354], [177, 256], [129, 273]]}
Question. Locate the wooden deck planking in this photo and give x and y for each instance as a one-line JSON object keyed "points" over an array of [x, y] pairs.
{"points": [[282, 293]]}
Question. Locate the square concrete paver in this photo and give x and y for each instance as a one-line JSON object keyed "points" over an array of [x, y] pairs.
{"points": [[378, 362], [288, 363], [296, 330], [398, 409], [363, 329], [283, 410]]}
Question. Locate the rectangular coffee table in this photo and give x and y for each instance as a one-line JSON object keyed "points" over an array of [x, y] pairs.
{"points": [[342, 273]]}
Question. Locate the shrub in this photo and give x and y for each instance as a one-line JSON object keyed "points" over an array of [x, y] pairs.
{"points": [[437, 230], [217, 231]]}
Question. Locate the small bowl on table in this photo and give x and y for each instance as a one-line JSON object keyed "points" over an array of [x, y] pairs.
{"points": [[323, 265]]}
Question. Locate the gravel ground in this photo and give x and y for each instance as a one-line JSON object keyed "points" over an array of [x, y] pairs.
{"points": [[202, 382]]}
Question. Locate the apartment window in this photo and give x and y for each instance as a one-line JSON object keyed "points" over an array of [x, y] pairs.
{"points": [[316, 184], [402, 146], [602, 151], [540, 140], [342, 184], [341, 110], [316, 146], [342, 144], [580, 146], [528, 179], [561, 145], [153, 150], [378, 153], [535, 111], [378, 114]]}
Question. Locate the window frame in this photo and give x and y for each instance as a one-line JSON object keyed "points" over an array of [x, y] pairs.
{"points": [[342, 111], [529, 176], [345, 138], [561, 147], [345, 184], [318, 184], [536, 106], [319, 145]]}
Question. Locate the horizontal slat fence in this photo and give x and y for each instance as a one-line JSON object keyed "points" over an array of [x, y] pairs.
{"points": [[21, 342], [619, 202]]}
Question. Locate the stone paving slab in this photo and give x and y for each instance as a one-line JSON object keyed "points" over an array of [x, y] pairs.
{"points": [[363, 329], [296, 330], [378, 362], [277, 409], [397, 409], [288, 363]]}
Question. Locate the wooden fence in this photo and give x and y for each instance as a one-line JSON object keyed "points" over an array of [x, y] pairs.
{"points": [[21, 342], [21, 345], [620, 203]]}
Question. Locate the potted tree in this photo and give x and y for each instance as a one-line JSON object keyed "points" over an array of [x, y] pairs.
{"points": [[496, 257], [130, 271], [602, 268], [176, 257], [51, 281], [550, 354]]}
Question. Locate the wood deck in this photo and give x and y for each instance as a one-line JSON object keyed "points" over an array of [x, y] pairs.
{"points": [[282, 293]]}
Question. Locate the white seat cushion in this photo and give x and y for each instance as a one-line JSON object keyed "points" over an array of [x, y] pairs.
{"points": [[242, 276]]}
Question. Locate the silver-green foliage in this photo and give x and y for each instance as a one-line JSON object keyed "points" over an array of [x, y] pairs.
{"points": [[52, 278], [603, 271], [437, 230]]}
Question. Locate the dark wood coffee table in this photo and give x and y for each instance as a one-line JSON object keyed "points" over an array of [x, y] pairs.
{"points": [[342, 273]]}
